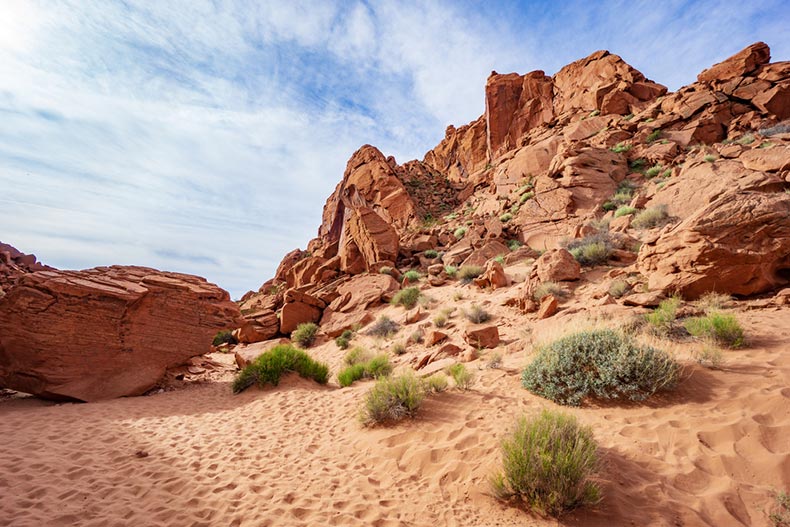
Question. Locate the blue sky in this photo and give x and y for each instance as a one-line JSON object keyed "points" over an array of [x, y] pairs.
{"points": [[204, 136]]}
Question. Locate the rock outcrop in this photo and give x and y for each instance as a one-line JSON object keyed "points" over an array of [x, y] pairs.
{"points": [[15, 264], [105, 332]]}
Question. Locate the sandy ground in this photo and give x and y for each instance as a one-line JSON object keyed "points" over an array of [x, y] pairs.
{"points": [[711, 453]]}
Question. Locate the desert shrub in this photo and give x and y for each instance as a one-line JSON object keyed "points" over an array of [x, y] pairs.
{"points": [[649, 218], [399, 349], [781, 128], [450, 270], [712, 301], [638, 165], [780, 513], [383, 327], [525, 197], [546, 289], [459, 233], [357, 355], [411, 277], [506, 217], [746, 139], [304, 334], [495, 361], [500, 259], [592, 250], [663, 317], [350, 374], [458, 295], [468, 273], [378, 366], [620, 148], [625, 210], [653, 136], [709, 158], [513, 245], [600, 363], [548, 462], [416, 336], [618, 288], [386, 270], [436, 383], [364, 367], [710, 357], [430, 253], [722, 328], [271, 365], [224, 337], [440, 320], [653, 171], [477, 314], [344, 339], [462, 376], [392, 399], [407, 297]]}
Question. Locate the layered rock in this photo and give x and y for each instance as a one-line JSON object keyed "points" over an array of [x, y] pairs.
{"points": [[14, 264], [105, 332]]}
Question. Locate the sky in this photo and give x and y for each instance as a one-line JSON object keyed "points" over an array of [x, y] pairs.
{"points": [[204, 136]]}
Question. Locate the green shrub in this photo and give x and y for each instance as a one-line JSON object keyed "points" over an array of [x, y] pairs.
{"points": [[620, 148], [450, 270], [436, 383], [392, 399], [463, 378], [712, 301], [663, 317], [500, 259], [357, 355], [387, 270], [526, 197], [709, 158], [304, 334], [592, 250], [653, 136], [431, 254], [599, 363], [416, 336], [722, 328], [362, 367], [350, 374], [411, 277], [506, 217], [468, 273], [378, 366], [653, 171], [546, 289], [548, 463], [495, 361], [344, 339], [399, 349], [618, 288], [440, 320], [625, 210], [383, 327], [746, 139], [407, 297], [649, 218], [224, 337], [513, 245], [477, 314], [638, 165], [269, 367], [459, 233], [780, 514], [608, 205]]}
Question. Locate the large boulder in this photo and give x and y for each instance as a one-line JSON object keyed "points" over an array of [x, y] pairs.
{"points": [[557, 265], [105, 332], [354, 298], [739, 65], [257, 326], [739, 244]]}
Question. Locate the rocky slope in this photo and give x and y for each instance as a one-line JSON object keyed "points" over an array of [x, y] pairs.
{"points": [[686, 191]]}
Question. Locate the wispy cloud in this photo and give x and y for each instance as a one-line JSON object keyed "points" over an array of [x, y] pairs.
{"points": [[204, 136]]}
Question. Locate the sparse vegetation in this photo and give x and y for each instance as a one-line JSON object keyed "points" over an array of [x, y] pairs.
{"points": [[436, 383], [411, 276], [430, 254], [525, 197], [638, 165], [416, 336], [747, 139], [386, 270], [513, 245], [625, 210], [600, 363], [461, 375], [506, 217], [548, 463], [357, 355], [224, 337], [653, 171], [383, 327], [495, 361], [623, 196], [477, 315], [392, 399], [592, 250], [440, 320], [709, 158], [663, 317], [304, 334], [710, 357], [459, 233], [781, 128], [500, 259], [548, 288], [407, 297], [361, 367], [399, 349], [271, 365], [344, 339], [653, 136], [450, 270], [712, 301], [618, 288], [650, 218], [721, 328], [780, 514], [621, 148], [468, 273]]}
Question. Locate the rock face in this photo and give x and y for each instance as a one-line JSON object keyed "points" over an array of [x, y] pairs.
{"points": [[105, 332], [14, 264], [739, 244]]}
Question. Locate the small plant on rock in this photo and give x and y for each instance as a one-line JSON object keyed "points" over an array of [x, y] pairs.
{"points": [[625, 210], [620, 148], [592, 250], [513, 245], [410, 277], [450, 270], [650, 218], [407, 297], [618, 288], [468, 273], [430, 254], [506, 217], [305, 334], [344, 339], [709, 159], [548, 463], [459, 233], [548, 288]]}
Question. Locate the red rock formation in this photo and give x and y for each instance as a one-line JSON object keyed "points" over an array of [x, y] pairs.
{"points": [[105, 332], [15, 264]]}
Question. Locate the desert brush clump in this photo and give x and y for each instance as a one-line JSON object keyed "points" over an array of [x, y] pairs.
{"points": [[625, 210], [461, 375], [450, 270], [721, 328], [468, 273], [649, 218], [392, 399], [459, 232], [224, 337], [591, 250], [548, 288], [383, 327], [305, 334], [436, 383], [600, 363], [513, 245], [621, 148], [410, 277], [618, 288], [271, 365], [477, 315], [398, 348], [712, 301], [780, 512], [506, 217], [548, 464], [344, 339], [430, 254], [361, 366], [407, 297], [662, 318]]}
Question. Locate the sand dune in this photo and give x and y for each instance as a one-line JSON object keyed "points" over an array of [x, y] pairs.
{"points": [[709, 454]]}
